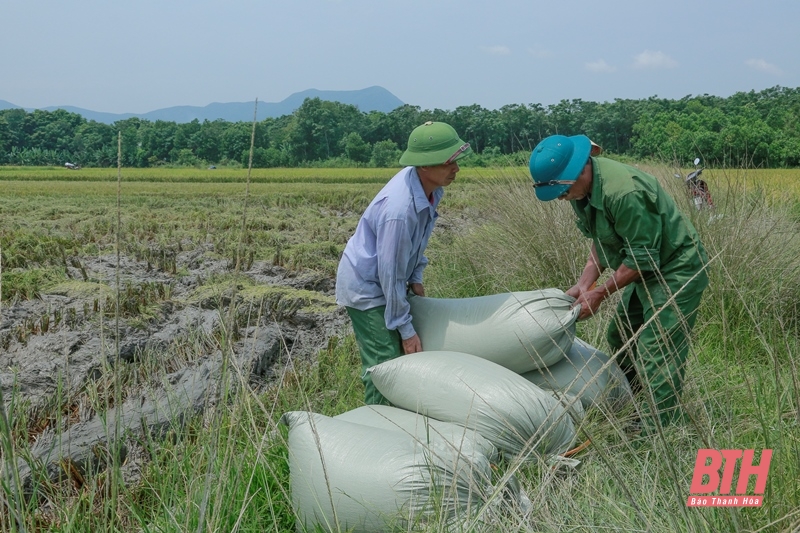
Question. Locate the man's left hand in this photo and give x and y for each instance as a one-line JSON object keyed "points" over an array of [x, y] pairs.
{"points": [[417, 289], [412, 345], [590, 302]]}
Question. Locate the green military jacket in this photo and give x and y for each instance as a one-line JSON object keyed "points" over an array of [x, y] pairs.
{"points": [[633, 221]]}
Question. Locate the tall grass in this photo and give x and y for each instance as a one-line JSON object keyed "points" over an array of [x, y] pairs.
{"points": [[742, 383]]}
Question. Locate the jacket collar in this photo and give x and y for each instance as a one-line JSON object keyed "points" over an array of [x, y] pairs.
{"points": [[596, 198]]}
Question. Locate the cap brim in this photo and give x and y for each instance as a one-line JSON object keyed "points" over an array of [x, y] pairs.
{"points": [[580, 155], [551, 192]]}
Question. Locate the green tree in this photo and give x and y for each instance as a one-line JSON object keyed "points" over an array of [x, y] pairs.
{"points": [[158, 139], [317, 127], [186, 157], [355, 148], [235, 139], [748, 128], [133, 153], [206, 142], [473, 123], [400, 122], [53, 130], [182, 137], [12, 131], [263, 157], [385, 154], [93, 141]]}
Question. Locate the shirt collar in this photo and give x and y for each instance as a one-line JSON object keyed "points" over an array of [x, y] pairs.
{"points": [[421, 201]]}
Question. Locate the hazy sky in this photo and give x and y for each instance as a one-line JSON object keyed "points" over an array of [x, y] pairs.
{"points": [[138, 56]]}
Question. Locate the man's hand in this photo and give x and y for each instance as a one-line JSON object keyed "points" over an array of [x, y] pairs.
{"points": [[589, 301], [412, 345], [588, 278], [417, 289], [590, 298], [574, 291]]}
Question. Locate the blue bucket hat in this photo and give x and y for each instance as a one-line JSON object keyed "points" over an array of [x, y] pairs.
{"points": [[556, 163]]}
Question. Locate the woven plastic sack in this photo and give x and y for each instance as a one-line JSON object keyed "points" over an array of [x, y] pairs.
{"points": [[465, 441], [521, 331], [585, 373], [511, 412], [571, 402], [351, 477]]}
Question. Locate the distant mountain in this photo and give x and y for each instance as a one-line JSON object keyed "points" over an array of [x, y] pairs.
{"points": [[370, 99]]}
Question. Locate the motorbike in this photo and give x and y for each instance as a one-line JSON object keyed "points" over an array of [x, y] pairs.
{"points": [[698, 188]]}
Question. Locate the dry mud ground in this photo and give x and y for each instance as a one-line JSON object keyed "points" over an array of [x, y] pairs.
{"points": [[58, 353]]}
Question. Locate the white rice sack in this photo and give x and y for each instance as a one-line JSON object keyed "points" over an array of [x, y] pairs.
{"points": [[585, 372], [571, 402], [511, 412], [426, 430], [351, 477], [521, 331]]}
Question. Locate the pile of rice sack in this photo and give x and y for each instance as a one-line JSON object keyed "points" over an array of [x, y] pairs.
{"points": [[500, 375]]}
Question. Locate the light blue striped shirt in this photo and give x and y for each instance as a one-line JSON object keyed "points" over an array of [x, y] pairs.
{"points": [[387, 250]]}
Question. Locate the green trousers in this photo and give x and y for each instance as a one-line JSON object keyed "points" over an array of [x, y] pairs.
{"points": [[657, 358], [376, 344]]}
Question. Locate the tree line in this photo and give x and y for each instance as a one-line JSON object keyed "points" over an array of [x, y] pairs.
{"points": [[758, 129]]}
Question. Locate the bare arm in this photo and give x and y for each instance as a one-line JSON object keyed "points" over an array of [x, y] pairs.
{"points": [[589, 276], [590, 300]]}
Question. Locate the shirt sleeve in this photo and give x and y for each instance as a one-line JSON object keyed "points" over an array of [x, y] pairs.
{"points": [[393, 252], [422, 261], [416, 276], [638, 223]]}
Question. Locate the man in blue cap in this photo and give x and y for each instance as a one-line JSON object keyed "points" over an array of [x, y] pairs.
{"points": [[385, 258], [655, 253]]}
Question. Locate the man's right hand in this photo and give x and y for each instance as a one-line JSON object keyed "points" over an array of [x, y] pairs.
{"points": [[576, 290], [412, 345], [590, 302]]}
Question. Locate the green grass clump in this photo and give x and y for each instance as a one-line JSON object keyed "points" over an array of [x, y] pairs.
{"points": [[24, 284], [83, 289]]}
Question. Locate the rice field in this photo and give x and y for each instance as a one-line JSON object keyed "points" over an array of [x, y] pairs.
{"points": [[742, 383], [218, 175]]}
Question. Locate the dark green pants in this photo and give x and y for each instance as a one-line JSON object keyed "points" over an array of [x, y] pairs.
{"points": [[657, 358], [376, 344]]}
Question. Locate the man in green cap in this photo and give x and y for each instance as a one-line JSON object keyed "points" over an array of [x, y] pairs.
{"points": [[385, 258], [658, 260]]}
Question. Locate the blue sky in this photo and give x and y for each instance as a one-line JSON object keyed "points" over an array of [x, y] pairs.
{"points": [[127, 56]]}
